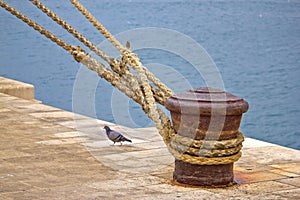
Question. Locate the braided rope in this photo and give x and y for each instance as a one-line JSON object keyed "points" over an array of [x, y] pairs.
{"points": [[168, 92], [148, 94], [138, 89], [71, 30], [78, 55], [203, 160], [204, 152], [115, 64], [98, 25], [223, 144], [36, 26]]}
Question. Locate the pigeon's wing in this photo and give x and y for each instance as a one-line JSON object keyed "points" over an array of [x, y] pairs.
{"points": [[117, 137]]}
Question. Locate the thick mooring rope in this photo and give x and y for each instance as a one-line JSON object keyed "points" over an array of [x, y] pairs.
{"points": [[137, 88], [116, 65], [168, 92], [36, 26]]}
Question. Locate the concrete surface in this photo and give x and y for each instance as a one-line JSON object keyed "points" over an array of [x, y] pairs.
{"points": [[48, 153], [16, 88]]}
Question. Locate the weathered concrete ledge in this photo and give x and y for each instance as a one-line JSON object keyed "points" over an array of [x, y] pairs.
{"points": [[16, 88], [49, 153]]}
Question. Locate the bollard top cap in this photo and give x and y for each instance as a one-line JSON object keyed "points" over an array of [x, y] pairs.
{"points": [[207, 94], [208, 100]]}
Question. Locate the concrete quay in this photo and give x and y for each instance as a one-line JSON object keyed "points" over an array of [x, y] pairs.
{"points": [[16, 88], [49, 153]]}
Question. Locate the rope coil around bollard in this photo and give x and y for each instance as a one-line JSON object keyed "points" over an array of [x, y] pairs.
{"points": [[137, 87]]}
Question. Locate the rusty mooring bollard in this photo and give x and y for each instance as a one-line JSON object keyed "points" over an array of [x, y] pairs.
{"points": [[205, 114]]}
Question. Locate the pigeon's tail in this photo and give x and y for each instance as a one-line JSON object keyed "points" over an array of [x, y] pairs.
{"points": [[126, 139]]}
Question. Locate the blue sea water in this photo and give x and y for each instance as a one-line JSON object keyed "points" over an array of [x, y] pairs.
{"points": [[254, 44]]}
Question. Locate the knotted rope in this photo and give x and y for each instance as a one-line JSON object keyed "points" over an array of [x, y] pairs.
{"points": [[137, 87]]}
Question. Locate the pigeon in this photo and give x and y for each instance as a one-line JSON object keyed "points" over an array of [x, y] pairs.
{"points": [[115, 136]]}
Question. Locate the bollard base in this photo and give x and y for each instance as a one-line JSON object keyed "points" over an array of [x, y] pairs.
{"points": [[203, 175]]}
